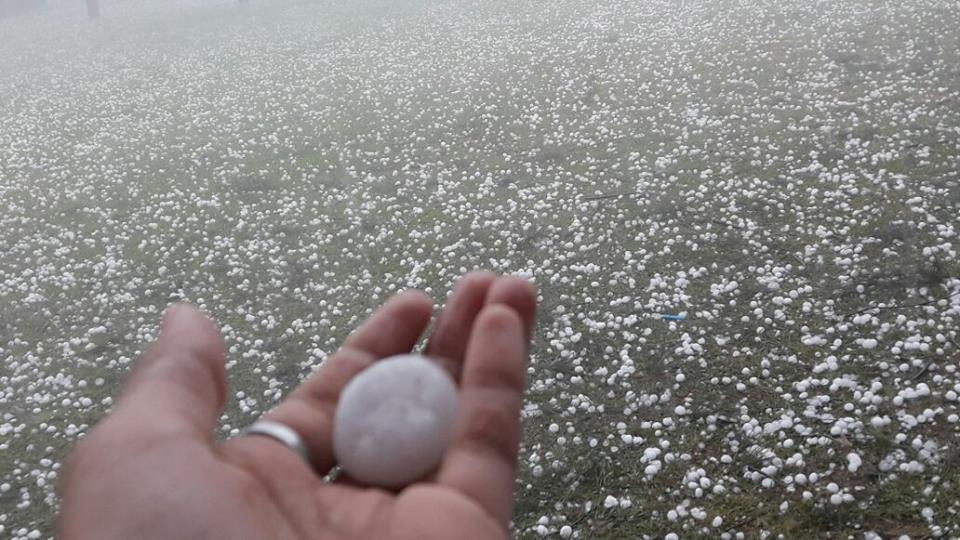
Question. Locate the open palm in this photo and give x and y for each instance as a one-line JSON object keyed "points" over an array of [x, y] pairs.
{"points": [[151, 468]]}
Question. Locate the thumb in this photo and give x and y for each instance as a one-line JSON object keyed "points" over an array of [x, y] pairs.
{"points": [[179, 384]]}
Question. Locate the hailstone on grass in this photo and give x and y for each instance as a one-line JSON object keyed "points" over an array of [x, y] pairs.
{"points": [[393, 421]]}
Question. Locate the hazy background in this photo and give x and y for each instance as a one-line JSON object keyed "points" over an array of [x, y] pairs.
{"points": [[780, 176]]}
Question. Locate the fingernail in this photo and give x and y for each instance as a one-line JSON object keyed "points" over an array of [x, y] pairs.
{"points": [[177, 318]]}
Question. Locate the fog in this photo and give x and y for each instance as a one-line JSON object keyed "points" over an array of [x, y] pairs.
{"points": [[741, 216]]}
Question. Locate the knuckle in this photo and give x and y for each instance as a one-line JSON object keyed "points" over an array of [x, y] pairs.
{"points": [[499, 375], [186, 367], [186, 371], [502, 318]]}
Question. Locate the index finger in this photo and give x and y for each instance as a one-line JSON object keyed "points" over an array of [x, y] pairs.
{"points": [[481, 461]]}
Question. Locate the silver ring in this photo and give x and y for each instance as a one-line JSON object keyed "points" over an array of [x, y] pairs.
{"points": [[278, 432]]}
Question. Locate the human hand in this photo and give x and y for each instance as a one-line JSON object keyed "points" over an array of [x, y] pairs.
{"points": [[151, 468]]}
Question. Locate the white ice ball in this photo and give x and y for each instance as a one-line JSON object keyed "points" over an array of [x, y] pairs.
{"points": [[393, 420]]}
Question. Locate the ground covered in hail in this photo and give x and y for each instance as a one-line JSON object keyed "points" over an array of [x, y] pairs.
{"points": [[742, 217]]}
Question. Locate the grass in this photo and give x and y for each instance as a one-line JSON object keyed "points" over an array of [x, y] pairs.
{"points": [[284, 161]]}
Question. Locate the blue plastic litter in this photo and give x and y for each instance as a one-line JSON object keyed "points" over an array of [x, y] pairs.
{"points": [[673, 317]]}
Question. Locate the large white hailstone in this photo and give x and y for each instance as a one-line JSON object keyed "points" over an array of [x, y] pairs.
{"points": [[393, 421], [853, 462]]}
